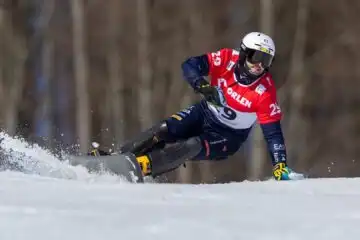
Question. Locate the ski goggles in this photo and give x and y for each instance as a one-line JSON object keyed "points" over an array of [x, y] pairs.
{"points": [[256, 56]]}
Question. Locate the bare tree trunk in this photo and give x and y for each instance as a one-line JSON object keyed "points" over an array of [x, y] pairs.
{"points": [[116, 88], [145, 109], [81, 71], [2, 61], [258, 152], [297, 84], [43, 116], [177, 84], [161, 64], [12, 71]]}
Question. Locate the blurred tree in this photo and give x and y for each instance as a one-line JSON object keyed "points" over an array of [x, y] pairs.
{"points": [[81, 75], [145, 111], [115, 97], [13, 52], [43, 60]]}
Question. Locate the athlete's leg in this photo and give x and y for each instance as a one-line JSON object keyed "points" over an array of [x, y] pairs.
{"points": [[204, 142], [164, 148], [218, 145], [146, 140], [174, 155], [209, 145], [179, 126]]}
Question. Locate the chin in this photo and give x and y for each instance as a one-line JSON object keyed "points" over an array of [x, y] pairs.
{"points": [[257, 73]]}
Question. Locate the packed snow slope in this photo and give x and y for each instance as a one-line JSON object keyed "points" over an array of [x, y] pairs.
{"points": [[42, 208], [55, 201]]}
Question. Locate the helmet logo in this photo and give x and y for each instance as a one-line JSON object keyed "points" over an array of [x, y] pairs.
{"points": [[265, 50]]}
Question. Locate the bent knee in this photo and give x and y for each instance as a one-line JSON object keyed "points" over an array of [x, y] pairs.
{"points": [[217, 151]]}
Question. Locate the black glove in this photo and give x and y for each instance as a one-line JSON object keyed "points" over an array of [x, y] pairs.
{"points": [[211, 94]]}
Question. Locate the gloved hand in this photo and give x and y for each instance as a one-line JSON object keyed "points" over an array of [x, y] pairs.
{"points": [[283, 172], [211, 94]]}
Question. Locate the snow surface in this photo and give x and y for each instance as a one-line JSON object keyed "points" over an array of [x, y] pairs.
{"points": [[70, 204]]}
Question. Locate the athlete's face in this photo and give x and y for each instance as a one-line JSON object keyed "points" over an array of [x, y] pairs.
{"points": [[255, 68]]}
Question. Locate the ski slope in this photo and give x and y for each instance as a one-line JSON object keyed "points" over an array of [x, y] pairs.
{"points": [[55, 201], [42, 208]]}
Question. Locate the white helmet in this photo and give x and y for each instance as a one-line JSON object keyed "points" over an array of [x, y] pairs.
{"points": [[258, 47]]}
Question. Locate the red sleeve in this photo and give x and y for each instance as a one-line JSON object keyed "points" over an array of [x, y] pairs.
{"points": [[269, 109], [218, 61]]}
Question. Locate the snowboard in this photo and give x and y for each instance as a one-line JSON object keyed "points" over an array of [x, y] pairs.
{"points": [[124, 165]]}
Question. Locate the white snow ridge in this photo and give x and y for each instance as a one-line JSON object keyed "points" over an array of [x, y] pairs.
{"points": [[41, 206], [33, 159]]}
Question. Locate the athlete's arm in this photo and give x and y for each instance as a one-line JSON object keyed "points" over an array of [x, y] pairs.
{"points": [[194, 69], [269, 116], [275, 141]]}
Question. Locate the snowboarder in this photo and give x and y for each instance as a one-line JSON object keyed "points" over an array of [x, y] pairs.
{"points": [[239, 91]]}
